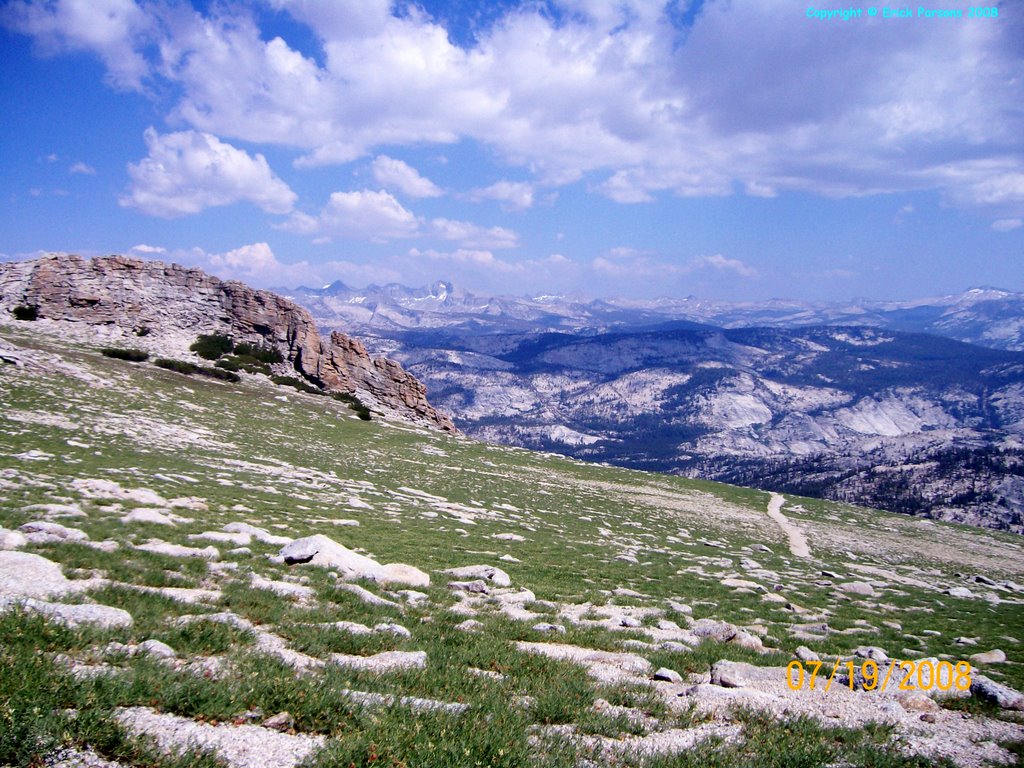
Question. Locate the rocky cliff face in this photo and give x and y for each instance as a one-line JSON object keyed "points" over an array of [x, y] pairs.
{"points": [[178, 302]]}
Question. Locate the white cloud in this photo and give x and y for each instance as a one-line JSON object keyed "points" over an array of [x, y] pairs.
{"points": [[1007, 225], [723, 264], [82, 168], [472, 235], [363, 214], [615, 93], [395, 174], [115, 30], [189, 171], [513, 195], [254, 264], [147, 250]]}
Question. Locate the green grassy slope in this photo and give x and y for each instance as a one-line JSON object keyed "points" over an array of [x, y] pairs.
{"points": [[294, 464]]}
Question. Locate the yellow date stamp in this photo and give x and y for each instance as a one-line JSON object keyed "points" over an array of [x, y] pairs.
{"points": [[868, 675]]}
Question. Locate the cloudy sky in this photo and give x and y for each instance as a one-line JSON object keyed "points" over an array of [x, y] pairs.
{"points": [[736, 149]]}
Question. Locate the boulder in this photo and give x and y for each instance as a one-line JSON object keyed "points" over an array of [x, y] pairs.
{"points": [[325, 552], [667, 675], [100, 616], [996, 693], [23, 574], [861, 588], [994, 656], [400, 573], [44, 532], [12, 539], [490, 573]]}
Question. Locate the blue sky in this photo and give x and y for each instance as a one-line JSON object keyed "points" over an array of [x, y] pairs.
{"points": [[734, 149]]}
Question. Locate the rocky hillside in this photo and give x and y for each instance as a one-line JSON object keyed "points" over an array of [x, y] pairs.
{"points": [[165, 306], [209, 574]]}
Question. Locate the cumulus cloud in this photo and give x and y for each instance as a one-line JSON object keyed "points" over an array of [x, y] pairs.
{"points": [[395, 174], [472, 235], [115, 30], [747, 97], [363, 214], [82, 168], [513, 195], [255, 264], [189, 171]]}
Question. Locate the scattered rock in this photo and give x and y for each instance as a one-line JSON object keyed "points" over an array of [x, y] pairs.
{"points": [[489, 573], [157, 649], [994, 656], [327, 553], [388, 661], [282, 588], [45, 532], [917, 701], [606, 666], [546, 627], [412, 702], [259, 534], [367, 596], [23, 574], [282, 721], [242, 746], [477, 586], [11, 539], [240, 540], [668, 675], [720, 631], [992, 692], [100, 616], [469, 625], [177, 550], [958, 592], [806, 654], [871, 652], [155, 516], [858, 588], [392, 629]]}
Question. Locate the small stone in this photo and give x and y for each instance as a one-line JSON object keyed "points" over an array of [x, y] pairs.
{"points": [[668, 675], [477, 586], [394, 629], [872, 652], [629, 621], [470, 625], [678, 607], [927, 717], [996, 693], [994, 656], [12, 539], [282, 722], [917, 701], [44, 532], [546, 627], [959, 592], [157, 649], [489, 573], [806, 654], [858, 588]]}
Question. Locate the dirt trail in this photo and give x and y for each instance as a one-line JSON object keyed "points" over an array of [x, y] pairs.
{"points": [[797, 540]]}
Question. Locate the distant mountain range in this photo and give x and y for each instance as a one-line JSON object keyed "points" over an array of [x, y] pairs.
{"points": [[880, 403], [986, 316]]}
